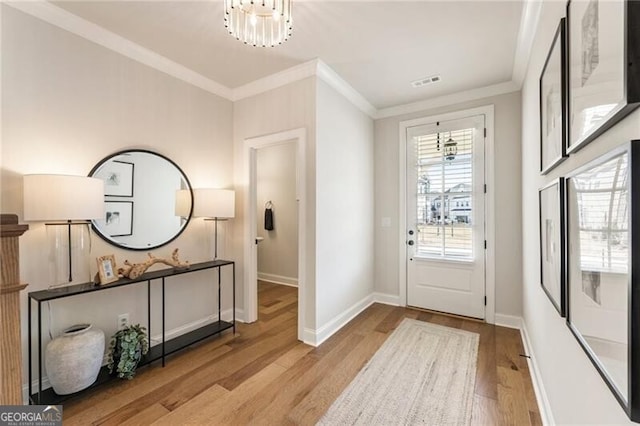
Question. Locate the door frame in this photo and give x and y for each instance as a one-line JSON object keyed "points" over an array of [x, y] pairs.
{"points": [[489, 202], [251, 145]]}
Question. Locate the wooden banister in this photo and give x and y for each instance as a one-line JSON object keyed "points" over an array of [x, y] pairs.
{"points": [[10, 286]]}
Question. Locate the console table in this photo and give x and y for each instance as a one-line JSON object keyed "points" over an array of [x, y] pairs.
{"points": [[160, 351]]}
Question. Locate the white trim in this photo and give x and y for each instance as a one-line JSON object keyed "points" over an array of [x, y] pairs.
{"points": [[526, 34], [512, 321], [340, 85], [446, 100], [250, 232], [240, 315], [59, 17], [546, 414], [317, 337], [488, 112], [387, 299], [509, 321], [186, 328], [88, 30], [278, 279], [273, 81]]}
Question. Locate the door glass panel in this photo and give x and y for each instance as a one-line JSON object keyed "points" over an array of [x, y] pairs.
{"points": [[445, 194]]}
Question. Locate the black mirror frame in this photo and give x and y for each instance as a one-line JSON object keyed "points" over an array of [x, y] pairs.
{"points": [[184, 175]]}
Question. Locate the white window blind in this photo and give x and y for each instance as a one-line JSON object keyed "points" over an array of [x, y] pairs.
{"points": [[445, 194]]}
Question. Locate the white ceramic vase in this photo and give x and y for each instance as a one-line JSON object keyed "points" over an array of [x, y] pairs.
{"points": [[73, 359]]}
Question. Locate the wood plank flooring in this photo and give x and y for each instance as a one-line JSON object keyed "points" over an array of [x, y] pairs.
{"points": [[264, 376]]}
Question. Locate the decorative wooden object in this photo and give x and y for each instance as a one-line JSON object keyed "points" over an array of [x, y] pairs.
{"points": [[10, 286], [134, 270]]}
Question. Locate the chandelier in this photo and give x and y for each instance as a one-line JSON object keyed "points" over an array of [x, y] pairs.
{"points": [[258, 22]]}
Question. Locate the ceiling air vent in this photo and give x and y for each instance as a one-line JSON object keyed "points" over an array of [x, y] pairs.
{"points": [[424, 81]]}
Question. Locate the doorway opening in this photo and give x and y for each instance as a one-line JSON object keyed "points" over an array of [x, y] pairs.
{"points": [[279, 265], [276, 218]]}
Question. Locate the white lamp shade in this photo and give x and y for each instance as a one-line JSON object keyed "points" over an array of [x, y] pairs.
{"points": [[62, 198], [183, 202], [219, 203]]}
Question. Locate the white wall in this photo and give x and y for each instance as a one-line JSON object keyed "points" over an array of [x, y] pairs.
{"points": [[507, 193], [276, 178], [285, 108], [344, 200], [576, 392], [66, 104]]}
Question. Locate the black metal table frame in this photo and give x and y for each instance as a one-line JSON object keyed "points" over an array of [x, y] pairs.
{"points": [[180, 341]]}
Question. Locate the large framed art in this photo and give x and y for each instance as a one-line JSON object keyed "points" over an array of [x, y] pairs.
{"points": [[552, 243], [603, 287], [553, 104], [603, 66]]}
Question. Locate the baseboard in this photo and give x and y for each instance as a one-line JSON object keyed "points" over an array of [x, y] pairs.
{"points": [[536, 378], [278, 279], [387, 299], [509, 321], [512, 321], [240, 315], [316, 337], [153, 340]]}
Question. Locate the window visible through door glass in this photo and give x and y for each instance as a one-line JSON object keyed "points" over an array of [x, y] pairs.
{"points": [[445, 194]]}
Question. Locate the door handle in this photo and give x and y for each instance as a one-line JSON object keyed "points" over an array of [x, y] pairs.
{"points": [[410, 242], [258, 239]]}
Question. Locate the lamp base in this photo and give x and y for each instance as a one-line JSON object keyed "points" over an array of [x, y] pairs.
{"points": [[69, 252]]}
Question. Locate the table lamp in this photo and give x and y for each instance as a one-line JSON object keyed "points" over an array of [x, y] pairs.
{"points": [[65, 203]]}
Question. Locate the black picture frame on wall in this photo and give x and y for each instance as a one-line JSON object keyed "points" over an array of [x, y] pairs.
{"points": [[603, 66], [552, 243], [603, 268], [553, 101]]}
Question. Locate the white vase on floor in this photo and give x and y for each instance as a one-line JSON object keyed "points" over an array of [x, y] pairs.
{"points": [[73, 359]]}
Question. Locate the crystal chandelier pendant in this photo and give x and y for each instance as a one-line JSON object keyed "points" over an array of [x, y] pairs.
{"points": [[265, 23]]}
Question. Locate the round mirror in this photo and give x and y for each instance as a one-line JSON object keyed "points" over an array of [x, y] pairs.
{"points": [[147, 199]]}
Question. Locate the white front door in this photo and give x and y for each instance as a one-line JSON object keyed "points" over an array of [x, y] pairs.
{"points": [[445, 216]]}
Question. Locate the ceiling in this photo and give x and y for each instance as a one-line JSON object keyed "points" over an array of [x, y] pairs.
{"points": [[378, 47]]}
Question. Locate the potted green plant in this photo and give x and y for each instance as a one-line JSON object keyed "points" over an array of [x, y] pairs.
{"points": [[126, 349]]}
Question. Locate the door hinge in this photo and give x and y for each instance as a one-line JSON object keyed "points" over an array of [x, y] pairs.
{"points": [[485, 188], [485, 132], [485, 301], [485, 244]]}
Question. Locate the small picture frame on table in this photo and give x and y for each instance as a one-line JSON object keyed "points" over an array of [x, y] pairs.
{"points": [[603, 66], [553, 101], [107, 269], [552, 243]]}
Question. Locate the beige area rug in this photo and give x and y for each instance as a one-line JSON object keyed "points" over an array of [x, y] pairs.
{"points": [[423, 374]]}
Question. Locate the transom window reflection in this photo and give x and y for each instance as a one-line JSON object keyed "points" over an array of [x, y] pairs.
{"points": [[444, 194]]}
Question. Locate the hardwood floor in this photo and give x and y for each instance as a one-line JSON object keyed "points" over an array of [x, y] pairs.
{"points": [[264, 376]]}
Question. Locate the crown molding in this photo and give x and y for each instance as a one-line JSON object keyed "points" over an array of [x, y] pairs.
{"points": [[59, 17], [528, 26], [329, 76], [455, 98], [273, 81], [314, 67]]}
